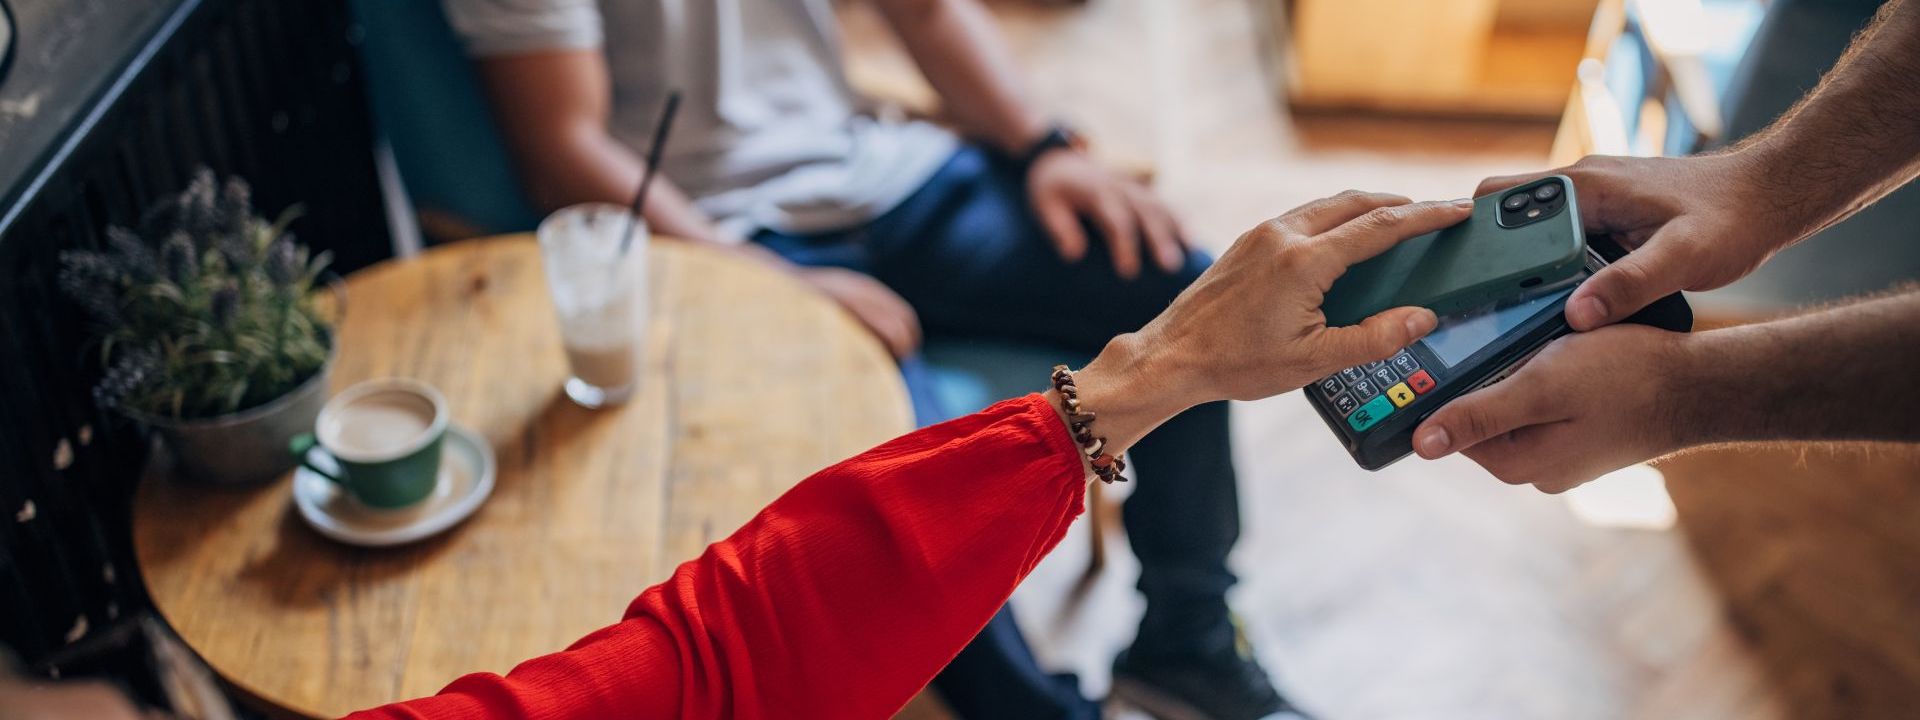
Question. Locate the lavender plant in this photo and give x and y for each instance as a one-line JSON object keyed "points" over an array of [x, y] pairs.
{"points": [[208, 309]]}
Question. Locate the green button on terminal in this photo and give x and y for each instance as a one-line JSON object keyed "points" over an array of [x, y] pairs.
{"points": [[1370, 414]]}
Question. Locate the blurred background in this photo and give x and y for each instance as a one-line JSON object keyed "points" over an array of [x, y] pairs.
{"points": [[1724, 583]]}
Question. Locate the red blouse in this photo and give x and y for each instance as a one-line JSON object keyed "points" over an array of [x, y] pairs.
{"points": [[841, 599]]}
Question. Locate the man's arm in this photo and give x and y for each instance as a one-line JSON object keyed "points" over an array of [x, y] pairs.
{"points": [[1701, 222], [553, 107], [1595, 402], [963, 56], [955, 44], [1855, 137], [1844, 373]]}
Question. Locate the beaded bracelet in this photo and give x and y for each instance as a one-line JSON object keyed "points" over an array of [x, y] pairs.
{"points": [[1105, 465]]}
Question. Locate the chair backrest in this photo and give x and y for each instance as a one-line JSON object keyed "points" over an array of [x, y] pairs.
{"points": [[428, 103]]}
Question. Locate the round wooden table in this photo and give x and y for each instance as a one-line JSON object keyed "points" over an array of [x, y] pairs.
{"points": [[750, 384]]}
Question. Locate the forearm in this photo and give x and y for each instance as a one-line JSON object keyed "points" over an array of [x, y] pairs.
{"points": [[958, 48], [841, 599], [1133, 389], [1844, 373], [1854, 138], [593, 167], [553, 109]]}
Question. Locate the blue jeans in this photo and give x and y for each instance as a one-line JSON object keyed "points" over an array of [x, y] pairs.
{"points": [[968, 253]]}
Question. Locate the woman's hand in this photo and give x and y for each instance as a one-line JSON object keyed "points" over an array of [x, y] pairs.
{"points": [[1251, 326]]}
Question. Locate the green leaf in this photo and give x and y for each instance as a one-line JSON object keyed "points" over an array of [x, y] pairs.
{"points": [[235, 395], [163, 291], [215, 357]]}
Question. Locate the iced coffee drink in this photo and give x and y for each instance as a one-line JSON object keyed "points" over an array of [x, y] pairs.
{"points": [[599, 293]]}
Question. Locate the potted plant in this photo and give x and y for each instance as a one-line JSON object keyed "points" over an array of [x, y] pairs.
{"points": [[209, 327]]}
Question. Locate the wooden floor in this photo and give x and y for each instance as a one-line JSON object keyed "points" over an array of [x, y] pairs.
{"points": [[1790, 588]]}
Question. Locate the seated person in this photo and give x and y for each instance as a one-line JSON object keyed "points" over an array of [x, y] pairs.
{"points": [[1014, 234]]}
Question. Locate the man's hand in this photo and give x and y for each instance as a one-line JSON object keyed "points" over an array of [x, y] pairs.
{"points": [[1587, 405], [1065, 186], [1694, 223], [874, 304]]}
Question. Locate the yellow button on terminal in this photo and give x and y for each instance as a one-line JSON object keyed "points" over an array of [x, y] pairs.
{"points": [[1400, 394]]}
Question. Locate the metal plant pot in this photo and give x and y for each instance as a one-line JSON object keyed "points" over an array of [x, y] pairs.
{"points": [[248, 447]]}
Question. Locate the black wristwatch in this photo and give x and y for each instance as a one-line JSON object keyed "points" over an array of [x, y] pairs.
{"points": [[1057, 137]]}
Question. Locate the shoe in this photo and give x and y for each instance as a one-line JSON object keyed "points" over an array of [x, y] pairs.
{"points": [[1227, 685]]}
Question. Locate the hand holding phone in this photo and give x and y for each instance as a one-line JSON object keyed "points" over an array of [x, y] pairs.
{"points": [[1517, 240]]}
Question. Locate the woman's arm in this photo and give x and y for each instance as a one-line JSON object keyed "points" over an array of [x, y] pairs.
{"points": [[840, 599], [847, 594]]}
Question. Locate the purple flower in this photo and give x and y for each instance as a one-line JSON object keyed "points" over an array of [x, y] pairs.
{"points": [[178, 257], [136, 257], [127, 375], [199, 212], [283, 261], [225, 304], [235, 213]]}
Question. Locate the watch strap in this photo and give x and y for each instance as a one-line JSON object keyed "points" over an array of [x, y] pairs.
{"points": [[1057, 137]]}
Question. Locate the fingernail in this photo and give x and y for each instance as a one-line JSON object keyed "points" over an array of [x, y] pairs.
{"points": [[1432, 442], [1588, 312], [1420, 323], [1464, 203]]}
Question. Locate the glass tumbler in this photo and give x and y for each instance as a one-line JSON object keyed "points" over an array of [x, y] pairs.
{"points": [[600, 296]]}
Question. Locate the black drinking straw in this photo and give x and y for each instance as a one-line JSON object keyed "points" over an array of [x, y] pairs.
{"points": [[653, 165]]}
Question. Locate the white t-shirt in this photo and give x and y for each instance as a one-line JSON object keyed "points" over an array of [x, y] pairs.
{"points": [[767, 136]]}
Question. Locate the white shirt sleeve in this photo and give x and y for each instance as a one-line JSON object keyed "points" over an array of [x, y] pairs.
{"points": [[511, 27]]}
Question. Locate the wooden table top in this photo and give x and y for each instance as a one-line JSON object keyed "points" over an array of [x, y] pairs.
{"points": [[750, 383]]}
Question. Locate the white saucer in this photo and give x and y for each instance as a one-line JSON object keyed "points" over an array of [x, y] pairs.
{"points": [[466, 479]]}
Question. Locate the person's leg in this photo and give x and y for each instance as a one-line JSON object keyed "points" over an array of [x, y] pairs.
{"points": [[995, 676], [976, 262]]}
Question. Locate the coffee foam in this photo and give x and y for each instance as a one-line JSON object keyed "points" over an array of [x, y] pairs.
{"points": [[377, 424]]}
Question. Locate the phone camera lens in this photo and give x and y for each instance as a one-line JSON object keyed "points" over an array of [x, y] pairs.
{"points": [[1547, 192], [1514, 202]]}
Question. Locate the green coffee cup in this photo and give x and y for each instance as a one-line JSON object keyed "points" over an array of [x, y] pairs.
{"points": [[384, 438]]}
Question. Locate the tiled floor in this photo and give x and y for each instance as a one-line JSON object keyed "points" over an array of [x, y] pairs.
{"points": [[1427, 590]]}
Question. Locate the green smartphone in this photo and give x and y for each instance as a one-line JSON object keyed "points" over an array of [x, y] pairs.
{"points": [[1517, 239]]}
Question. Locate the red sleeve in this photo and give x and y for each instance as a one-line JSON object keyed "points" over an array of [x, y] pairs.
{"points": [[841, 599]]}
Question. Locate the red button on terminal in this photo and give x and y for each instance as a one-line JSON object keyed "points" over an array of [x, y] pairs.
{"points": [[1421, 382]]}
